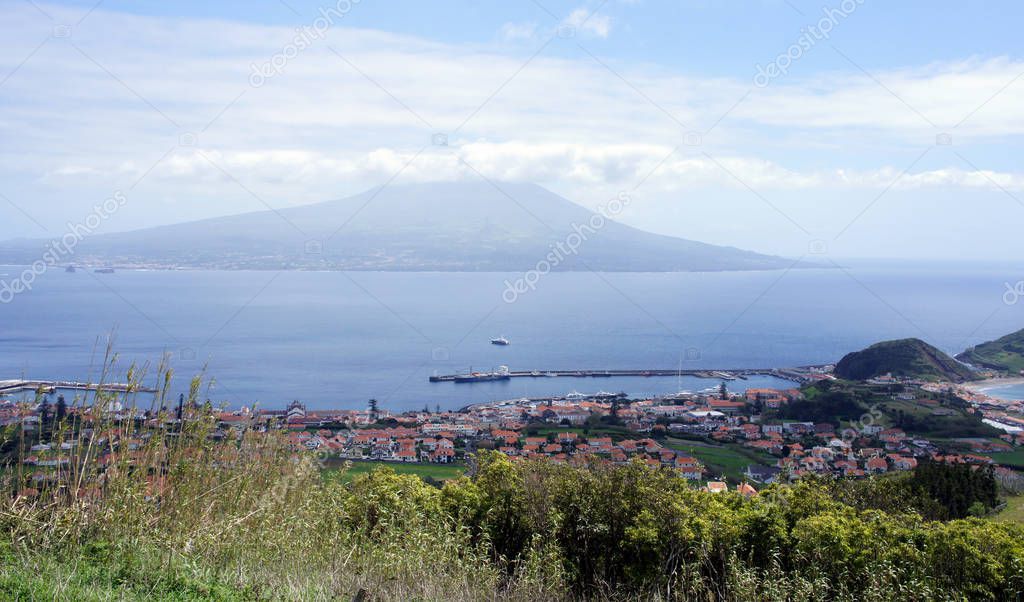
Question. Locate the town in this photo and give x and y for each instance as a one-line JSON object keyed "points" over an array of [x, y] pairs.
{"points": [[714, 437]]}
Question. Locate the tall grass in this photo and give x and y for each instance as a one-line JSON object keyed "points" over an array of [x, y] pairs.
{"points": [[246, 512]]}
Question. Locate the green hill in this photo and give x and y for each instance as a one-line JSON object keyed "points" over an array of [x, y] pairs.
{"points": [[1006, 353], [908, 358]]}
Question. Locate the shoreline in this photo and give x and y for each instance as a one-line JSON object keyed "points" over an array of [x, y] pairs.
{"points": [[993, 384]]}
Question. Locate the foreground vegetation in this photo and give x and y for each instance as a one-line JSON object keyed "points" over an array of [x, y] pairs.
{"points": [[261, 525], [345, 472], [183, 514]]}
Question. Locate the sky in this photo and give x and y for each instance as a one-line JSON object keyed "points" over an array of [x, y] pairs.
{"points": [[854, 128]]}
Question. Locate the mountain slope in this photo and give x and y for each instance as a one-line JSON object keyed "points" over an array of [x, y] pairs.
{"points": [[1005, 353], [440, 226], [908, 358]]}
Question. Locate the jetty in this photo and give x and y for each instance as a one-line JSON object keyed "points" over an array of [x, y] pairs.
{"points": [[800, 374], [17, 386]]}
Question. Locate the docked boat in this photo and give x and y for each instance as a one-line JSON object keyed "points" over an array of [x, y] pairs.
{"points": [[502, 341], [501, 373]]}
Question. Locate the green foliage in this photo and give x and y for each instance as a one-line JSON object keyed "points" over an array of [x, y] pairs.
{"points": [[934, 491], [825, 407], [437, 472], [957, 488], [633, 529]]}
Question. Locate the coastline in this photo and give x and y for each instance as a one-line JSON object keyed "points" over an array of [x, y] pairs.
{"points": [[992, 385]]}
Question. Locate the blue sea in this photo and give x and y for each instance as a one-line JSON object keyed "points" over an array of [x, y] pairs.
{"points": [[334, 340], [1012, 392]]}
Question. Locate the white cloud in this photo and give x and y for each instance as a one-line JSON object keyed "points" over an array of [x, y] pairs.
{"points": [[328, 126], [518, 31], [590, 166], [584, 21]]}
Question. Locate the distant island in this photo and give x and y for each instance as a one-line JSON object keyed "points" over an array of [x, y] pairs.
{"points": [[416, 227]]}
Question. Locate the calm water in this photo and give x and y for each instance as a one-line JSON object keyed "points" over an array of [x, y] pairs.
{"points": [[1007, 392], [335, 340]]}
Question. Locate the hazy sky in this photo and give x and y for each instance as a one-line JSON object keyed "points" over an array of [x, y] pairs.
{"points": [[881, 129]]}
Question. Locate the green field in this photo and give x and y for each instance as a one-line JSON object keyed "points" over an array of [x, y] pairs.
{"points": [[440, 472], [1014, 458], [1014, 511], [726, 460]]}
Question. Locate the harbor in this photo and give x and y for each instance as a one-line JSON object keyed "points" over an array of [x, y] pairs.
{"points": [[800, 374], [50, 386]]}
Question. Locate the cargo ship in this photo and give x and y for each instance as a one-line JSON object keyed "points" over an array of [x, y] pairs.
{"points": [[501, 373]]}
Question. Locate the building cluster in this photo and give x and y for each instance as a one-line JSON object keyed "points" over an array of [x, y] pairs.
{"points": [[574, 429], [597, 428]]}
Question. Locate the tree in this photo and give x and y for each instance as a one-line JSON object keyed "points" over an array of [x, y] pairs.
{"points": [[44, 415], [62, 409], [374, 410], [723, 391]]}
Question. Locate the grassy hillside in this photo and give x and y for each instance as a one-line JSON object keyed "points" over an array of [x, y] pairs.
{"points": [[1006, 353], [722, 461], [908, 358], [270, 529]]}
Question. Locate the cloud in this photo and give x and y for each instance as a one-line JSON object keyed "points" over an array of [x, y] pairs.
{"points": [[619, 166], [99, 111], [518, 31], [584, 21]]}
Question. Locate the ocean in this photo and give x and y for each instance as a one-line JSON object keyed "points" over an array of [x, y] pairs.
{"points": [[334, 340], [1013, 392]]}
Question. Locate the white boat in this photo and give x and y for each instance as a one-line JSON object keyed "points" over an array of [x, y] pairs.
{"points": [[500, 341]]}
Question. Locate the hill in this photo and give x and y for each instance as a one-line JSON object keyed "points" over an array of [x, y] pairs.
{"points": [[908, 358], [1005, 353], [438, 226]]}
